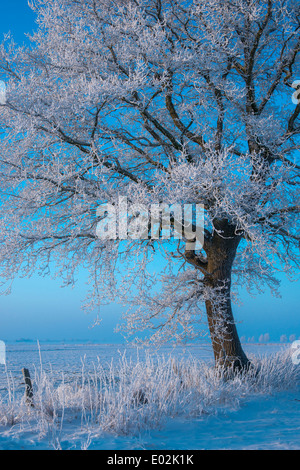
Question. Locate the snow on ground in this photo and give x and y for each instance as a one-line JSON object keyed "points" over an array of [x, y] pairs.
{"points": [[204, 413], [270, 422]]}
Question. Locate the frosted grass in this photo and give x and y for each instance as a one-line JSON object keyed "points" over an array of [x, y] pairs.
{"points": [[127, 397]]}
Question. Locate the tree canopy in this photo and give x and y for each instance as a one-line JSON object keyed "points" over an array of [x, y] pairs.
{"points": [[156, 101]]}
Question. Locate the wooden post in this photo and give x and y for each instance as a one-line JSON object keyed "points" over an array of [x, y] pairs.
{"points": [[28, 387]]}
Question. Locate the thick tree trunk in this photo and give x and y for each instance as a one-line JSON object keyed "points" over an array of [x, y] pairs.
{"points": [[227, 348]]}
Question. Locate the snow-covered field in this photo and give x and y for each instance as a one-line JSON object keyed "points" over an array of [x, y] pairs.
{"points": [[114, 397]]}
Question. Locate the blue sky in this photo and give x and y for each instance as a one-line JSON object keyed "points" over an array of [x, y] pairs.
{"points": [[39, 309]]}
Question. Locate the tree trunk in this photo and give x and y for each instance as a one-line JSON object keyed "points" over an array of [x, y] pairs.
{"points": [[227, 348]]}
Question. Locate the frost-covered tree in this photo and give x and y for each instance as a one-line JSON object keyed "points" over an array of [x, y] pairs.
{"points": [[264, 338], [157, 101]]}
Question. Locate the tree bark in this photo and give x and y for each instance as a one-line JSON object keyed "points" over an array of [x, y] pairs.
{"points": [[221, 252]]}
